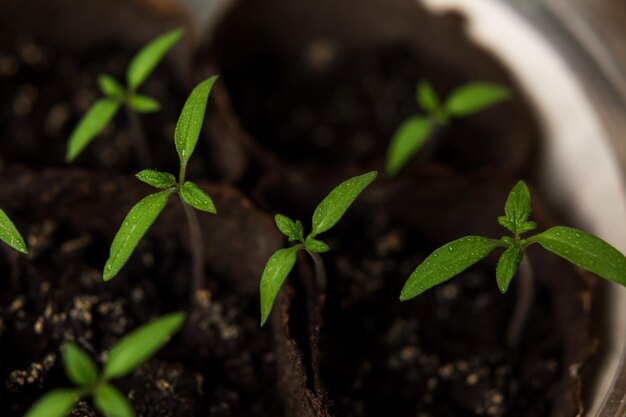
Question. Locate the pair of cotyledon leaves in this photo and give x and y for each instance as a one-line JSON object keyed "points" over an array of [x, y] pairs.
{"points": [[123, 358], [102, 111], [10, 235], [580, 248], [325, 216], [145, 212], [462, 102]]}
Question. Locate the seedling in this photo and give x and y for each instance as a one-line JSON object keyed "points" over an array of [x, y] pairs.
{"points": [[10, 235], [578, 247], [123, 358], [144, 213], [325, 216], [413, 133], [102, 111]]}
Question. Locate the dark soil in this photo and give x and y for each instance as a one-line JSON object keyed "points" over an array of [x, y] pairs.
{"points": [[310, 94]]}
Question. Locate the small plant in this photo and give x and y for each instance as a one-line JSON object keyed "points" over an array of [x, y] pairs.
{"points": [[123, 358], [102, 111], [576, 246], [10, 235], [462, 102], [325, 216], [145, 212]]}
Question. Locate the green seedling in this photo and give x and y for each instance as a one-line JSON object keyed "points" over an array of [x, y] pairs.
{"points": [[414, 132], [578, 247], [146, 211], [325, 216], [10, 235], [102, 111], [123, 358]]}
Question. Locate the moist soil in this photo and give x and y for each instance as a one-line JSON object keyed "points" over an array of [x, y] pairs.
{"points": [[300, 113]]}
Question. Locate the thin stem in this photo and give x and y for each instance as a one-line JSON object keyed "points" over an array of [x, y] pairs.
{"points": [[139, 139], [320, 271], [197, 254], [525, 295], [315, 302]]}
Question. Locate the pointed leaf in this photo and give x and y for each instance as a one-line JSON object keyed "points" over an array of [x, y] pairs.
{"points": [[278, 267], [135, 225], [149, 57], [156, 179], [57, 403], [143, 104], [517, 206], [446, 262], [508, 264], [191, 118], [427, 96], [10, 235], [408, 139], [79, 367], [315, 246], [585, 250], [111, 402], [333, 207], [93, 122], [110, 87], [196, 198], [293, 230], [139, 345], [474, 97]]}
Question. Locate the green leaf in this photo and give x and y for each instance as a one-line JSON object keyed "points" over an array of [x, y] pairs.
{"points": [[474, 97], [79, 367], [507, 266], [156, 179], [293, 230], [190, 121], [10, 235], [315, 246], [427, 96], [92, 123], [446, 262], [143, 104], [585, 250], [139, 345], [333, 207], [517, 209], [57, 403], [110, 87], [111, 402], [278, 267], [135, 225], [196, 198], [149, 57], [408, 139]]}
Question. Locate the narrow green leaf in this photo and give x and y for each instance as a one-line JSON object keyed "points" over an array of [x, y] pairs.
{"points": [[315, 246], [110, 87], [190, 121], [139, 345], [507, 266], [196, 198], [10, 235], [517, 206], [474, 97], [79, 367], [427, 96], [156, 179], [278, 267], [135, 225], [149, 57], [585, 250], [143, 104], [111, 402], [446, 262], [293, 230], [408, 139], [333, 207], [57, 403], [92, 123]]}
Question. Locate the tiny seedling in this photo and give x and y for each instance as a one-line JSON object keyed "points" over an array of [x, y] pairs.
{"points": [[145, 212], [325, 216], [123, 358], [580, 248], [413, 133], [102, 111], [10, 235]]}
